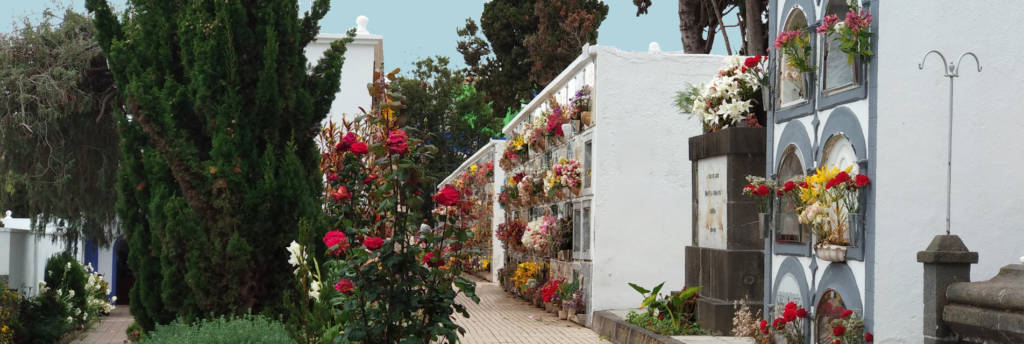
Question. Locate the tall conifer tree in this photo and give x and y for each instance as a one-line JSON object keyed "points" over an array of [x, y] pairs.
{"points": [[219, 162]]}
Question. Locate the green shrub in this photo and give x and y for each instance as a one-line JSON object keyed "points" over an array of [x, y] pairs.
{"points": [[253, 329], [64, 272], [42, 320], [663, 326]]}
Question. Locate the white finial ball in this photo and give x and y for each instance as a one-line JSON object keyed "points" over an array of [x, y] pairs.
{"points": [[361, 22], [653, 47], [1022, 259]]}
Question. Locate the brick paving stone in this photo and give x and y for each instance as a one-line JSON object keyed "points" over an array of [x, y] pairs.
{"points": [[110, 329], [501, 318]]}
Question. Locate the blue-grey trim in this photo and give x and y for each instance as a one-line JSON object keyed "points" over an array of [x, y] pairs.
{"points": [[869, 208], [792, 266], [783, 114], [795, 134], [843, 121], [769, 147], [113, 266], [839, 277], [842, 95]]}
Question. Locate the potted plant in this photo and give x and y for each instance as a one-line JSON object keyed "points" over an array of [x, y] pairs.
{"points": [[566, 293], [828, 201], [732, 98], [795, 47], [580, 104], [762, 191], [853, 33], [848, 329]]}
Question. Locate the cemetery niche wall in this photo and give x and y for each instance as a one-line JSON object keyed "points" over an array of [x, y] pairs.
{"points": [[476, 181], [592, 195]]}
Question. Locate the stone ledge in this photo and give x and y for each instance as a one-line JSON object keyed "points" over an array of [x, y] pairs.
{"points": [[947, 249], [612, 325], [740, 141], [1005, 291], [980, 325]]}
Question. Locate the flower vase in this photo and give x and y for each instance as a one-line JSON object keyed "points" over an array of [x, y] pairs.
{"points": [[587, 118], [562, 314], [575, 190], [764, 224], [576, 125], [832, 253], [808, 84], [548, 307]]}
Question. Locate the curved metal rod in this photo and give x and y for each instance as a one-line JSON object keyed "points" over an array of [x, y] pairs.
{"points": [[961, 59], [925, 58]]}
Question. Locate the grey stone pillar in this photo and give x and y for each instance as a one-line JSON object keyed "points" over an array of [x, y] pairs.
{"points": [[946, 261]]}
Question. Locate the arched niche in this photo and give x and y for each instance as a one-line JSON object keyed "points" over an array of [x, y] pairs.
{"points": [[795, 133], [790, 284], [837, 291], [789, 11], [842, 121]]}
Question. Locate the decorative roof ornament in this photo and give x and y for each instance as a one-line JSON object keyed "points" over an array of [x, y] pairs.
{"points": [[361, 22], [654, 47]]}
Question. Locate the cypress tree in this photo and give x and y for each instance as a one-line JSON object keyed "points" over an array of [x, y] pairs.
{"points": [[219, 162]]}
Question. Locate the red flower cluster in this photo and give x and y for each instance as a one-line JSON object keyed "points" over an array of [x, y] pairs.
{"points": [[549, 289], [336, 242], [856, 182], [433, 260], [447, 196], [373, 243], [762, 190], [346, 142], [344, 286], [341, 194], [790, 314], [397, 142]]}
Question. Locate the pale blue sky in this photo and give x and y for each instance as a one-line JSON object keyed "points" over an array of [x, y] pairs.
{"points": [[414, 29]]}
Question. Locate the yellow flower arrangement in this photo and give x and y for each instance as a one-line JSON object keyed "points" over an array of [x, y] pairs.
{"points": [[525, 272], [518, 142], [472, 168]]}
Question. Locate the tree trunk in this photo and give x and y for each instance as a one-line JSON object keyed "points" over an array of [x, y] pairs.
{"points": [[755, 36], [691, 28]]}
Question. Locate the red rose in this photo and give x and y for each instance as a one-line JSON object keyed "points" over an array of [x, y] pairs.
{"points": [[779, 323], [838, 331], [763, 190], [789, 314], [448, 196], [789, 186], [373, 243], [778, 192], [344, 286], [336, 242], [868, 337], [862, 180], [801, 313], [790, 306], [396, 142], [842, 177], [433, 260], [803, 185], [359, 148], [846, 314], [369, 178], [752, 61], [830, 183], [341, 194], [333, 177], [764, 326], [346, 142], [749, 188]]}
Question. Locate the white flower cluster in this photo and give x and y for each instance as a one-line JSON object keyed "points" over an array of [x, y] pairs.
{"points": [[721, 102], [538, 232], [297, 259]]}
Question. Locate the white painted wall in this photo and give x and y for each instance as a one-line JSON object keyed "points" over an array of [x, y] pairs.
{"points": [[912, 130], [642, 179], [363, 56], [497, 251]]}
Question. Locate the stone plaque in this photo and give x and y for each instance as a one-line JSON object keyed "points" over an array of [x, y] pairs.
{"points": [[711, 202]]}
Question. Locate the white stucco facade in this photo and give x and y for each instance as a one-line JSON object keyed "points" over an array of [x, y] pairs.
{"points": [[902, 116], [363, 56]]}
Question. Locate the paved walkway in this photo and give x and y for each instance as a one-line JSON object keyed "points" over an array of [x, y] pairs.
{"points": [[110, 329], [502, 318]]}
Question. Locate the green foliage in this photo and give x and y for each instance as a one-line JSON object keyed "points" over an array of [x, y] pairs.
{"points": [[64, 272], [218, 159], [58, 147], [500, 66], [563, 27], [452, 114], [42, 320], [663, 326], [397, 292], [252, 329], [678, 310]]}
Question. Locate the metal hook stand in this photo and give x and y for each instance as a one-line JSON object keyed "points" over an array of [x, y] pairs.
{"points": [[951, 71]]}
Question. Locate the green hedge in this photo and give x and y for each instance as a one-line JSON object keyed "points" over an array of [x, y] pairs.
{"points": [[251, 329]]}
